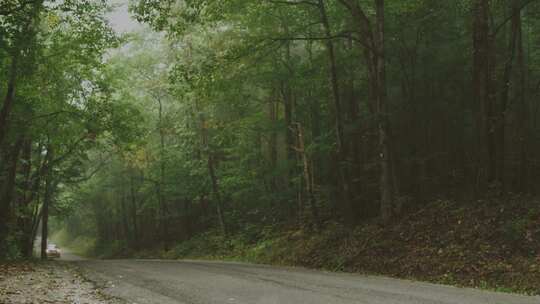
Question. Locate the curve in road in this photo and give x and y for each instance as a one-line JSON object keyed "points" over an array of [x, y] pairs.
{"points": [[202, 282]]}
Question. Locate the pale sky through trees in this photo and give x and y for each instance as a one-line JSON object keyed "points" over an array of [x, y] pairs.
{"points": [[120, 18]]}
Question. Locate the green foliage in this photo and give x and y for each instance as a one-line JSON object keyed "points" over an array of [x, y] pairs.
{"points": [[12, 250], [53, 53]]}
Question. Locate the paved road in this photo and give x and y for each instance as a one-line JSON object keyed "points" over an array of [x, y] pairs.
{"points": [[198, 282]]}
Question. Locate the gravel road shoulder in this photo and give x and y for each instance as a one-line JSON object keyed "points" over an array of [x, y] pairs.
{"points": [[47, 282]]}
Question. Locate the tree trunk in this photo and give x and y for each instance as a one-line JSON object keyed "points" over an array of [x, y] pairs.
{"points": [[386, 183], [315, 119], [188, 221], [342, 148], [33, 221], [35, 226], [372, 43], [273, 140], [8, 190], [163, 208], [217, 194], [505, 92], [47, 202], [213, 177], [134, 213], [24, 220], [289, 139], [9, 99], [482, 92], [355, 137], [125, 216], [523, 113], [308, 178]]}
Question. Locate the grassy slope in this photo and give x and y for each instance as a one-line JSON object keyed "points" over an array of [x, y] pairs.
{"points": [[491, 244]]}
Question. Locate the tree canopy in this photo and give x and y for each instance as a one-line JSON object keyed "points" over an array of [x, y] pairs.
{"points": [[246, 114]]}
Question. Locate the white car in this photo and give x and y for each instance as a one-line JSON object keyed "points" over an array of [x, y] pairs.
{"points": [[53, 251]]}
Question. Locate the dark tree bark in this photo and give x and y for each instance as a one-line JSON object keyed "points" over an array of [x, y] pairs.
{"points": [[47, 202], [20, 46], [523, 114], [287, 95], [9, 99], [134, 209], [505, 91], [32, 197], [354, 136], [7, 192], [386, 178], [24, 220], [308, 177], [315, 119], [188, 219], [273, 150], [342, 147], [163, 206], [482, 94], [211, 163], [36, 220], [125, 216], [289, 137], [372, 43], [217, 194]]}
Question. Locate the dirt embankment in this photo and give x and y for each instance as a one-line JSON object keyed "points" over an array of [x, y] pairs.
{"points": [[492, 244]]}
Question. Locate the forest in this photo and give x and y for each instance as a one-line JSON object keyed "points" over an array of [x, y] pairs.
{"points": [[322, 133]]}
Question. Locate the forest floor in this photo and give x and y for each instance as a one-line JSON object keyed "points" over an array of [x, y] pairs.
{"points": [[491, 244], [46, 282]]}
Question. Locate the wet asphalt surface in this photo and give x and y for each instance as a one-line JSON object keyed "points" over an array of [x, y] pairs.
{"points": [[204, 282]]}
